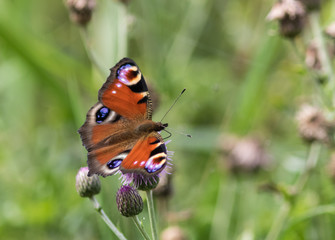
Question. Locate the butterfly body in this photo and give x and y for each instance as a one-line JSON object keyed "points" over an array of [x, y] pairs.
{"points": [[118, 132]]}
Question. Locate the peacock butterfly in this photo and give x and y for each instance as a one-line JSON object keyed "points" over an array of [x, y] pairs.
{"points": [[118, 132]]}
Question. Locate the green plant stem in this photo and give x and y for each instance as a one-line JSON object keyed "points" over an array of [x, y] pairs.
{"points": [[324, 56], [312, 159], [140, 228], [151, 211], [90, 52], [317, 211], [301, 57], [278, 224], [106, 219], [286, 207], [314, 75], [222, 216]]}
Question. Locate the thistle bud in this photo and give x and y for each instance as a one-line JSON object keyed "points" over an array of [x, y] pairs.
{"points": [[129, 201], [81, 10], [291, 17], [87, 186]]}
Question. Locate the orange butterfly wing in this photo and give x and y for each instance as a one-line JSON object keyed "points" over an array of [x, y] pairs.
{"points": [[149, 156], [126, 92], [108, 132]]}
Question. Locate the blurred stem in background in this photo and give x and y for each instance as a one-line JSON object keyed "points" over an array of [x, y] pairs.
{"points": [[250, 95], [288, 204], [324, 56]]}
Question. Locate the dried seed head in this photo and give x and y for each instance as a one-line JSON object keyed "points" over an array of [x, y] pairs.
{"points": [[331, 166], [247, 154], [81, 10], [313, 125], [173, 233], [312, 5], [291, 17], [87, 186], [330, 30], [312, 58], [126, 2], [129, 201]]}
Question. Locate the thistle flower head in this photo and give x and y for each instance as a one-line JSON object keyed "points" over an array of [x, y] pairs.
{"points": [[129, 201], [81, 10], [291, 17], [87, 186]]}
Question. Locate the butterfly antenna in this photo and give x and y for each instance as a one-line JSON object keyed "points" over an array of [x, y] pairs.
{"points": [[170, 134], [173, 130], [173, 104]]}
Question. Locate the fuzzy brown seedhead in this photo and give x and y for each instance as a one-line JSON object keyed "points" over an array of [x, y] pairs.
{"points": [[291, 17], [246, 154], [81, 10], [330, 30], [312, 5], [313, 126], [173, 233]]}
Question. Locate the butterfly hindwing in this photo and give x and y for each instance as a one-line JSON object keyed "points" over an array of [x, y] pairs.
{"points": [[148, 156]]}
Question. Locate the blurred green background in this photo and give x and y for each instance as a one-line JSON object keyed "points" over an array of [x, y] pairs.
{"points": [[241, 78]]}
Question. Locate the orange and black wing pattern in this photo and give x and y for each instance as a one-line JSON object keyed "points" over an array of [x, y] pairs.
{"points": [[149, 156], [126, 92], [108, 132]]}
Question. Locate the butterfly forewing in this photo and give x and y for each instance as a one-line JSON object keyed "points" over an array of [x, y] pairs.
{"points": [[126, 92]]}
